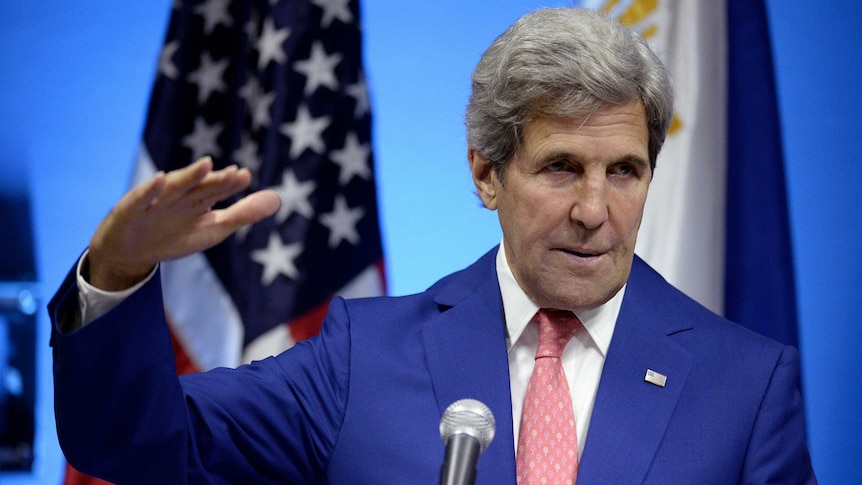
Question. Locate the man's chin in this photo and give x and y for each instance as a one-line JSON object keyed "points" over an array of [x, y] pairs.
{"points": [[577, 297]]}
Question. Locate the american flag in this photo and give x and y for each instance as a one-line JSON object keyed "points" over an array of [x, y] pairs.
{"points": [[276, 87]]}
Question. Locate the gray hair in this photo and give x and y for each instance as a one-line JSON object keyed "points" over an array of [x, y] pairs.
{"points": [[562, 62]]}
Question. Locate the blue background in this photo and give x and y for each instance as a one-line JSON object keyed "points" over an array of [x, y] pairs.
{"points": [[75, 79]]}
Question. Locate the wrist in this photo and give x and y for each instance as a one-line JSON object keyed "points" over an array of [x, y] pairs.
{"points": [[112, 276]]}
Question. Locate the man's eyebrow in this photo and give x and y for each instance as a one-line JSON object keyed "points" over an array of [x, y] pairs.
{"points": [[559, 156], [562, 156]]}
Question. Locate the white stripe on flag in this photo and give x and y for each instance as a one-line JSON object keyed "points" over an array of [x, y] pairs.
{"points": [[367, 283]]}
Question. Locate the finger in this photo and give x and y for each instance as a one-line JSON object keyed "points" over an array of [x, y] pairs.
{"points": [[222, 184], [141, 196], [179, 182], [215, 226], [215, 187], [248, 210]]}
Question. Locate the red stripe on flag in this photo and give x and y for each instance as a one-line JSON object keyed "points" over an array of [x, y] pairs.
{"points": [[184, 363], [308, 325], [74, 477], [381, 270]]}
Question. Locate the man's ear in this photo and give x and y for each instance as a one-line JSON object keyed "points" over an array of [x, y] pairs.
{"points": [[484, 178]]}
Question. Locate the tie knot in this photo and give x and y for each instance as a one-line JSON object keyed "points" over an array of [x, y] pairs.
{"points": [[556, 328]]}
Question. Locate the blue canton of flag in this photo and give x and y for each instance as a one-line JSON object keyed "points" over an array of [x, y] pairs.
{"points": [[278, 88]]}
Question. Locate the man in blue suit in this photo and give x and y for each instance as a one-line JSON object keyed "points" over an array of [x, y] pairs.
{"points": [[567, 115]]}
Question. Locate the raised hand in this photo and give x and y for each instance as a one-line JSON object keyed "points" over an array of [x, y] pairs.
{"points": [[171, 216]]}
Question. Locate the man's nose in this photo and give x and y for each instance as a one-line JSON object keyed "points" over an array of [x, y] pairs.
{"points": [[590, 208]]}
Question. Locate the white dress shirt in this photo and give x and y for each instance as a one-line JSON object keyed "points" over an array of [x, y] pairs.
{"points": [[582, 359]]}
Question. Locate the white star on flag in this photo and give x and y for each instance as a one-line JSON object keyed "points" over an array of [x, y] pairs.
{"points": [[334, 9], [341, 222], [259, 103], [209, 77], [203, 140], [269, 45], [277, 258], [352, 160], [250, 27], [166, 60], [246, 155], [214, 12], [359, 92], [305, 132], [319, 69], [294, 197]]}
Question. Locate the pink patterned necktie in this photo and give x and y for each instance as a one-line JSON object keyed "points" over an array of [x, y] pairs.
{"points": [[548, 441]]}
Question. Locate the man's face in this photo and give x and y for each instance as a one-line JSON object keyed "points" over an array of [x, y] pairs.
{"points": [[570, 204]]}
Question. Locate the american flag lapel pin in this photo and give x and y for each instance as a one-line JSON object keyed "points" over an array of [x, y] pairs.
{"points": [[656, 378]]}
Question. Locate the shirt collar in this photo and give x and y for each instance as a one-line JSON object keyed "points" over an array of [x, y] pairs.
{"points": [[519, 309]]}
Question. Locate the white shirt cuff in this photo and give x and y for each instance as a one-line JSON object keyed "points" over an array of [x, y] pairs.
{"points": [[94, 302]]}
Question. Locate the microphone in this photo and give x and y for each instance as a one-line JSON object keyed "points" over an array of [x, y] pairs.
{"points": [[467, 428]]}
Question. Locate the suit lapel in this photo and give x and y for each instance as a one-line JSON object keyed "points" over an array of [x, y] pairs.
{"points": [[467, 358], [631, 415]]}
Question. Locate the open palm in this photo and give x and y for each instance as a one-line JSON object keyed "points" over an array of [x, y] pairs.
{"points": [[171, 216]]}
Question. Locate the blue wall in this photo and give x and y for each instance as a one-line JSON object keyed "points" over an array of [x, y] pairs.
{"points": [[74, 82], [818, 47]]}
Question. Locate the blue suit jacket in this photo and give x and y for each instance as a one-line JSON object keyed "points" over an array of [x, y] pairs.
{"points": [[361, 403]]}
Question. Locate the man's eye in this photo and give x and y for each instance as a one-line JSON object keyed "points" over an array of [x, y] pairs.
{"points": [[623, 169], [557, 166]]}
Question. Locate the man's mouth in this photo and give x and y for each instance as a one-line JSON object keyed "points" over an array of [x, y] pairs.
{"points": [[583, 252]]}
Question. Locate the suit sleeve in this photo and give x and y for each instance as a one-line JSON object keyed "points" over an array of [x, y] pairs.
{"points": [[777, 451], [122, 413]]}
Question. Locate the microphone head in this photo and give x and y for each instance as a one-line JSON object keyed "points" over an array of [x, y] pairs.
{"points": [[470, 417]]}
